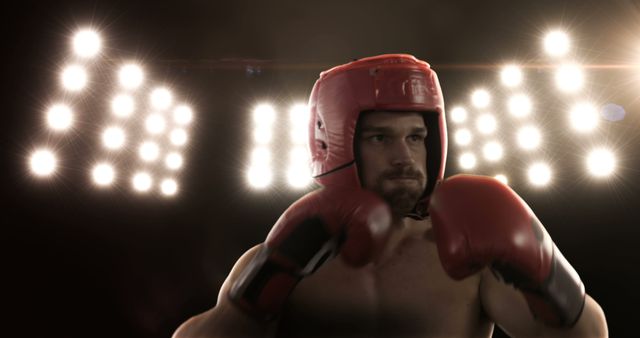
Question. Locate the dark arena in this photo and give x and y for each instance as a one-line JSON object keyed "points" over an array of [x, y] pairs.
{"points": [[194, 169]]}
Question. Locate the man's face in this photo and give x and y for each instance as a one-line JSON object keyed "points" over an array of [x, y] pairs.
{"points": [[392, 157]]}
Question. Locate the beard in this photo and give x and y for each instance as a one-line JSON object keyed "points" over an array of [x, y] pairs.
{"points": [[402, 196]]}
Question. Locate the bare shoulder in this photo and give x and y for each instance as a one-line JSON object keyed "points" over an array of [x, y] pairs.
{"points": [[225, 319]]}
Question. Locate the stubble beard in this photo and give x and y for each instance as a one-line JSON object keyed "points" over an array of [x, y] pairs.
{"points": [[402, 198]]}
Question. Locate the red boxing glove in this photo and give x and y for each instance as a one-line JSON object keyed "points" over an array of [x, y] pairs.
{"points": [[478, 222], [321, 224]]}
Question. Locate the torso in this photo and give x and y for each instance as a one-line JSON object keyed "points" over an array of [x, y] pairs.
{"points": [[408, 294]]}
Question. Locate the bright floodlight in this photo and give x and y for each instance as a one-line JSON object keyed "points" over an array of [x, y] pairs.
{"points": [[183, 114], [122, 105], [161, 98], [298, 120], [74, 78], [103, 174], [480, 98], [43, 163], [262, 135], [463, 137], [511, 75], [86, 43], [169, 187], [569, 78], [486, 123], [155, 123], [467, 161], [584, 117], [264, 114], [539, 174], [519, 105], [458, 114], [130, 76], [260, 156], [492, 151], [502, 178], [299, 155], [529, 137], [113, 138], [299, 115], [59, 117], [601, 162], [299, 174], [142, 182], [556, 43], [178, 137], [173, 161], [149, 151], [259, 177]]}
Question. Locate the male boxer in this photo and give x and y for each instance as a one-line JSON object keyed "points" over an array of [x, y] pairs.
{"points": [[387, 248]]}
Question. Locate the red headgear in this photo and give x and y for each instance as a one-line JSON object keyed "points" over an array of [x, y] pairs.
{"points": [[392, 82]]}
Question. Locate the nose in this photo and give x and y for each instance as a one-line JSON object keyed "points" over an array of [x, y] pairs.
{"points": [[401, 154]]}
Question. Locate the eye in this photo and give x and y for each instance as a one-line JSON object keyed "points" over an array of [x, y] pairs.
{"points": [[416, 138], [377, 138]]}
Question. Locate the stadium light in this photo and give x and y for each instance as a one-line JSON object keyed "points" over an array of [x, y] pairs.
{"points": [[43, 162], [519, 105], [103, 174], [556, 43], [59, 117], [149, 151], [467, 160], [178, 137], [130, 76], [259, 177], [155, 123], [87, 43], [298, 123], [264, 114], [463, 137], [480, 98], [169, 187], [113, 138], [458, 114], [486, 124], [539, 174], [511, 76], [584, 117], [529, 137], [182, 115], [299, 173], [601, 162], [142, 181], [492, 151], [74, 78], [173, 161], [569, 78], [122, 105], [161, 98]]}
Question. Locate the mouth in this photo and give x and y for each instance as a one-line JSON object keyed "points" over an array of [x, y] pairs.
{"points": [[403, 178]]}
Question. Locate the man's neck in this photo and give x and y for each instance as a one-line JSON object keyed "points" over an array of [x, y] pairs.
{"points": [[403, 229]]}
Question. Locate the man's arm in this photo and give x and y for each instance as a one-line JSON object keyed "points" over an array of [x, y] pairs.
{"points": [[226, 319], [507, 307]]}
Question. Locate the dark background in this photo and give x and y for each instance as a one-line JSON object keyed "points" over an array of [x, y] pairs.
{"points": [[79, 262]]}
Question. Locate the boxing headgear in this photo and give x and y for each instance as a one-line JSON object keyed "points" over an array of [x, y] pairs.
{"points": [[392, 82]]}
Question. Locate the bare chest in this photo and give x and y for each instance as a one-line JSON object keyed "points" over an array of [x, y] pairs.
{"points": [[407, 294]]}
